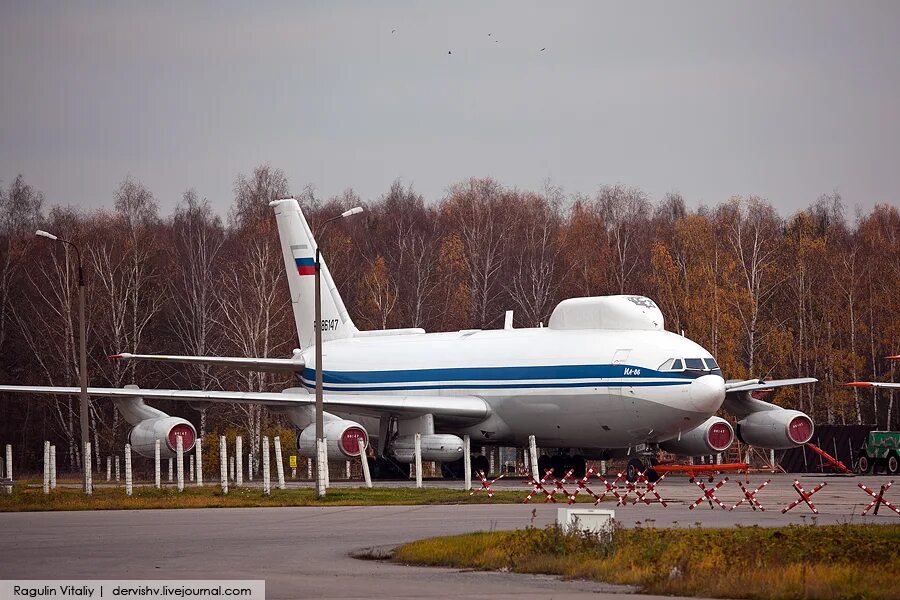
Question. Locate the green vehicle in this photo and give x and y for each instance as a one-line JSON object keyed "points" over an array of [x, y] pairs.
{"points": [[880, 452]]}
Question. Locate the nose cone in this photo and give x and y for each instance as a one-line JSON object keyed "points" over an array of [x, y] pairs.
{"points": [[707, 394]]}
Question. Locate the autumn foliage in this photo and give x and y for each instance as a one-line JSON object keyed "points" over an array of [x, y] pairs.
{"points": [[809, 294]]}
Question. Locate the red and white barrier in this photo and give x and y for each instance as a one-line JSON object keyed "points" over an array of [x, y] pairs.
{"points": [[485, 484], [878, 499], [804, 497], [709, 494], [750, 497]]}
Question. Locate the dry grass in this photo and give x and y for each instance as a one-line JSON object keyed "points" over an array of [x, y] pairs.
{"points": [[210, 496], [844, 561]]}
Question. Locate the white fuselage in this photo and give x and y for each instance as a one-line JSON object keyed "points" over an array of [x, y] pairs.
{"points": [[587, 388]]}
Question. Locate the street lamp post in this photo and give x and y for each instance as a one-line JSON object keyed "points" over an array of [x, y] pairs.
{"points": [[320, 419], [83, 412]]}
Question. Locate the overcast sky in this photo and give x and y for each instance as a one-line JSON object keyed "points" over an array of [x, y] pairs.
{"points": [[785, 100]]}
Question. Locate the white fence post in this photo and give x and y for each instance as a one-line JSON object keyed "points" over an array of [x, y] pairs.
{"points": [[231, 468], [365, 462], [418, 448], [239, 460], [171, 465], [603, 468], [46, 467], [128, 481], [279, 465], [109, 468], [89, 483], [198, 450], [467, 463], [9, 471], [347, 469], [179, 461], [533, 457], [267, 489], [191, 467], [157, 471], [223, 464], [118, 471], [52, 466]]}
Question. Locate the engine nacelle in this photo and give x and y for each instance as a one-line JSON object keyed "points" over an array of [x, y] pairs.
{"points": [[165, 429], [342, 438], [775, 429], [442, 447], [709, 437]]}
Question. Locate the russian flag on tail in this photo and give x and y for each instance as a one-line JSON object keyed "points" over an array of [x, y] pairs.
{"points": [[305, 266]]}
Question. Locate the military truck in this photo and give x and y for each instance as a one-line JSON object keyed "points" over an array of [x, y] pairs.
{"points": [[879, 453]]}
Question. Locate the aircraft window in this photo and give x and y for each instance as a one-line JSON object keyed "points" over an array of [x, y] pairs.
{"points": [[673, 364], [711, 363], [694, 364]]}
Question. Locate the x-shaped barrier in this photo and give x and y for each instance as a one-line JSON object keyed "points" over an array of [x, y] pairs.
{"points": [[649, 488], [750, 497], [558, 486], [878, 499], [804, 497], [485, 484], [709, 494]]}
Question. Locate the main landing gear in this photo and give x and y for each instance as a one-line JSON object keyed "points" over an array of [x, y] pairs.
{"points": [[637, 465], [561, 464]]}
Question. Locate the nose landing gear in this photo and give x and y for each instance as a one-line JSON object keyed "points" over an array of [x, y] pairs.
{"points": [[637, 465]]}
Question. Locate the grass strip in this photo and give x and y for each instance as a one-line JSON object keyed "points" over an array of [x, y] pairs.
{"points": [[146, 497], [809, 562]]}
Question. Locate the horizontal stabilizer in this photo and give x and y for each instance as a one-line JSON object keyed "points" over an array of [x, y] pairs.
{"points": [[249, 364], [874, 384]]}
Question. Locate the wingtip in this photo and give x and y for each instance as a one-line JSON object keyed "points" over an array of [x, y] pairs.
{"points": [[895, 357], [860, 384], [120, 356]]}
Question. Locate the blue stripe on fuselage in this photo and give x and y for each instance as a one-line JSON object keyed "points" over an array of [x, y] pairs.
{"points": [[425, 379]]}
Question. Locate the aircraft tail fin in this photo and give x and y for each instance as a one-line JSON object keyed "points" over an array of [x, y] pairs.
{"points": [[299, 249]]}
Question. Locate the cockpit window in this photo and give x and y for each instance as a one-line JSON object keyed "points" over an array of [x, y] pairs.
{"points": [[694, 364], [711, 363], [673, 364]]}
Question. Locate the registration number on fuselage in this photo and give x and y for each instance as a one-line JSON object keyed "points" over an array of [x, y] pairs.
{"points": [[630, 371], [329, 324]]}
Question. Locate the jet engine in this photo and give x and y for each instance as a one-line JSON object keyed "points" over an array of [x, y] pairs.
{"points": [[711, 436], [165, 429], [442, 447], [775, 429], [342, 437]]}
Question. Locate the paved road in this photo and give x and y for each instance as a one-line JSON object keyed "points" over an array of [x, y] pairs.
{"points": [[305, 552]]}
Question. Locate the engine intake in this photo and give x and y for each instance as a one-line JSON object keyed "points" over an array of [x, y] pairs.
{"points": [[775, 429], [711, 436], [166, 429], [342, 438]]}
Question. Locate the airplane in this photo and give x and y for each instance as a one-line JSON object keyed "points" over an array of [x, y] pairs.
{"points": [[604, 379], [877, 384]]}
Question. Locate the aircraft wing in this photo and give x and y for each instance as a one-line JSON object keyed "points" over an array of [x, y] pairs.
{"points": [[740, 403], [456, 407], [251, 364], [874, 384]]}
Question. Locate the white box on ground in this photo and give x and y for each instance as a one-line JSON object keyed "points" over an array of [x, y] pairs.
{"points": [[590, 519]]}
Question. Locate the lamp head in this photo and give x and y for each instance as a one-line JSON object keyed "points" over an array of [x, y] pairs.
{"points": [[353, 211], [46, 234]]}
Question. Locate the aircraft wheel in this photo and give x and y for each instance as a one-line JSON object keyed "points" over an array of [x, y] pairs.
{"points": [[579, 465], [543, 465], [635, 466], [652, 475], [893, 465], [862, 465], [480, 463], [558, 463]]}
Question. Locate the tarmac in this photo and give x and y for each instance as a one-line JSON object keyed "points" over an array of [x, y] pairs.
{"points": [[307, 552]]}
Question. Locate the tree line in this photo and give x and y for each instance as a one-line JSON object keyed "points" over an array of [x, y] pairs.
{"points": [[809, 294]]}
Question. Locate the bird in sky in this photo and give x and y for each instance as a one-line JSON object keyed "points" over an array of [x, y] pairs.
{"points": [[542, 49], [393, 30], [448, 52]]}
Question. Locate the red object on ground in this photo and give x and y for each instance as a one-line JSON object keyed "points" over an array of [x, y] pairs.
{"points": [[829, 458], [583, 487], [538, 486], [709, 495], [710, 470], [878, 499], [804, 497], [751, 496], [485, 485]]}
